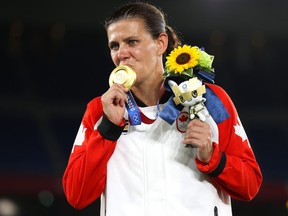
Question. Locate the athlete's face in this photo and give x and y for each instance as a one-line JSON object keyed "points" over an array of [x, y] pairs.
{"points": [[131, 44]]}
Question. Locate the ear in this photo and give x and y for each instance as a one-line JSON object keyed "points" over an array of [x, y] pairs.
{"points": [[162, 43], [172, 83]]}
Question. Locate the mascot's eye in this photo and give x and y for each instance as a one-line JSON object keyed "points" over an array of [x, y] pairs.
{"points": [[194, 94]]}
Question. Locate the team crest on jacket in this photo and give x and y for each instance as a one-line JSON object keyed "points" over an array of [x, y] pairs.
{"points": [[182, 121]]}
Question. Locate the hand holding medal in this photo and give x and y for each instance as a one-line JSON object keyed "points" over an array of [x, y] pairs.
{"points": [[126, 76]]}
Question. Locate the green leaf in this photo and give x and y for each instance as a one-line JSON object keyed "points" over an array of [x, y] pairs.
{"points": [[188, 72]]}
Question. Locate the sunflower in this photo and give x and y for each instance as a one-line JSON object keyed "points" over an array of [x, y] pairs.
{"points": [[182, 58]]}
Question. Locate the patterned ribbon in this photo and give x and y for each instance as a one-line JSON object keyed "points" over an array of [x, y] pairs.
{"points": [[135, 114], [133, 110]]}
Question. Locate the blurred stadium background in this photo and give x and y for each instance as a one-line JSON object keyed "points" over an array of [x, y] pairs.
{"points": [[54, 59]]}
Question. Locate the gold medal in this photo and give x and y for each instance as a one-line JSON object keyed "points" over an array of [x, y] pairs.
{"points": [[123, 75]]}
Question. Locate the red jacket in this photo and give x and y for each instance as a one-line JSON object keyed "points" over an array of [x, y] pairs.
{"points": [[232, 167]]}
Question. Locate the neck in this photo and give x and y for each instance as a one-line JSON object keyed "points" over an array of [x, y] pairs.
{"points": [[149, 94]]}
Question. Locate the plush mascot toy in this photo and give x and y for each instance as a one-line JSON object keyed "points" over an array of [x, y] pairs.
{"points": [[189, 93]]}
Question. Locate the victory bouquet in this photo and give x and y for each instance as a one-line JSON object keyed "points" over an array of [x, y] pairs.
{"points": [[186, 70], [188, 62]]}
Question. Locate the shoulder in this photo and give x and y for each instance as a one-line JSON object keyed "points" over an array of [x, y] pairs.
{"points": [[95, 105], [218, 90], [224, 97], [220, 93], [94, 109], [95, 102]]}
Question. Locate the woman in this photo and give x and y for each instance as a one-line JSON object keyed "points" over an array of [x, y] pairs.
{"points": [[145, 169]]}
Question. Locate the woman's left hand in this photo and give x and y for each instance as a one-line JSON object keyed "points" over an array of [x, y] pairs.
{"points": [[198, 135]]}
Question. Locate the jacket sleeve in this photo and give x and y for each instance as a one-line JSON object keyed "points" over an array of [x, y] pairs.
{"points": [[233, 166], [84, 178]]}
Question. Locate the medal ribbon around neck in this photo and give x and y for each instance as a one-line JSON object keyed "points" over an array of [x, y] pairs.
{"points": [[126, 76]]}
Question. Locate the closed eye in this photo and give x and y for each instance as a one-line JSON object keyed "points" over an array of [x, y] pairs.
{"points": [[133, 42], [114, 46]]}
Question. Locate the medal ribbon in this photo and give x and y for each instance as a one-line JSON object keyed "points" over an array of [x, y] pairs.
{"points": [[134, 113], [133, 110]]}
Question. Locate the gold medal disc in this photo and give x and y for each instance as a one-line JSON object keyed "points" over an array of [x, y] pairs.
{"points": [[123, 75]]}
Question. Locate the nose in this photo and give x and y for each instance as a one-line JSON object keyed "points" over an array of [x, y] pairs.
{"points": [[123, 53]]}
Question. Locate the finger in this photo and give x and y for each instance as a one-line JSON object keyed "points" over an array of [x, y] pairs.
{"points": [[120, 87], [191, 141], [122, 101], [119, 98], [120, 92], [197, 122], [198, 126], [198, 136]]}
